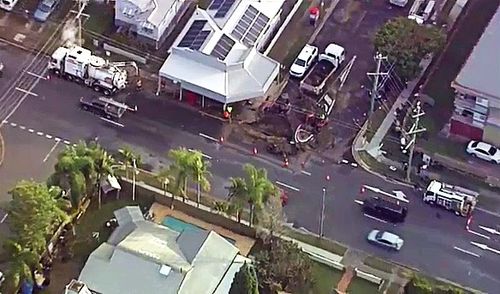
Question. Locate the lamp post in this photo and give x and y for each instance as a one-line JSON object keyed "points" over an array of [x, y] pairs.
{"points": [[134, 164], [322, 215]]}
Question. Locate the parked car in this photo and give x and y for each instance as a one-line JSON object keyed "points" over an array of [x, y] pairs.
{"points": [[484, 151], [304, 60], [44, 9], [8, 4], [385, 239]]}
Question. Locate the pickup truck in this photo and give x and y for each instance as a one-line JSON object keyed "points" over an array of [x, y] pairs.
{"points": [[328, 63], [105, 107]]}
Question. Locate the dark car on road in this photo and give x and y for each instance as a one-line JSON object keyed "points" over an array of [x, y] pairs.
{"points": [[385, 210]]}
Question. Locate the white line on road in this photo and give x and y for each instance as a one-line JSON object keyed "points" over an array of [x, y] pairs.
{"points": [[50, 152], [4, 218], [26, 92], [288, 186], [466, 251], [374, 218], [36, 75], [478, 234], [31, 130], [360, 202], [305, 173], [353, 164], [22, 127], [48, 136], [39, 133], [67, 142], [208, 137], [13, 124], [202, 154], [112, 122]]}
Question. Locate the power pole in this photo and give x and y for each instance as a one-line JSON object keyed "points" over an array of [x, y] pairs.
{"points": [[376, 76], [414, 130], [322, 216], [81, 6]]}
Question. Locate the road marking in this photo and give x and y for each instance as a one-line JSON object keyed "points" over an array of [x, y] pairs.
{"points": [[48, 136], [50, 152], [36, 75], [39, 133], [13, 124], [22, 127], [202, 154], [31, 130], [374, 218], [112, 122], [67, 142], [288, 186], [478, 234], [5, 121], [360, 202], [26, 92], [305, 173], [466, 251], [353, 164], [208, 137], [4, 218]]}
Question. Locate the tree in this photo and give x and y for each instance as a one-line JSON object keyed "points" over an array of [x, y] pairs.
{"points": [[199, 173], [283, 264], [164, 178], [34, 213], [421, 285], [272, 218], [23, 262], [128, 157], [74, 172], [180, 170], [254, 189], [103, 164], [406, 43], [245, 281]]}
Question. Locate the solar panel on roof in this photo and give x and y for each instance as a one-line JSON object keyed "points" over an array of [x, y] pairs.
{"points": [[224, 9], [216, 4], [250, 26], [223, 46], [195, 36], [199, 40]]}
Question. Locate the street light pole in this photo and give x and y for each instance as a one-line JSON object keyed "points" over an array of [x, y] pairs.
{"points": [[322, 216], [133, 178]]}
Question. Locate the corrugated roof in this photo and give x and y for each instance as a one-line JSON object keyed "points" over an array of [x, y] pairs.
{"points": [[481, 72]]}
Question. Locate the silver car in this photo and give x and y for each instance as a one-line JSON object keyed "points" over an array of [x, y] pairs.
{"points": [[385, 239]]}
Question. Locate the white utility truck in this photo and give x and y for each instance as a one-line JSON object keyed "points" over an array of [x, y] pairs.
{"points": [[328, 62], [454, 198], [79, 64]]}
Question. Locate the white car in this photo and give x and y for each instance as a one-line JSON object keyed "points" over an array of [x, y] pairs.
{"points": [[304, 60], [385, 239], [484, 151], [400, 3]]}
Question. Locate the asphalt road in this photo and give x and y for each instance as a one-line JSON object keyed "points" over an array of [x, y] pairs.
{"points": [[159, 126]]}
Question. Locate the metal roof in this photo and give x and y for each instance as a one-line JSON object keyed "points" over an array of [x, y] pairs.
{"points": [[481, 72]]}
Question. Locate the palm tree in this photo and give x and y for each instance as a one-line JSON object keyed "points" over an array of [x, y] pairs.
{"points": [[237, 195], [255, 188], [129, 159], [199, 173], [24, 261], [180, 170], [164, 178], [103, 164], [74, 172]]}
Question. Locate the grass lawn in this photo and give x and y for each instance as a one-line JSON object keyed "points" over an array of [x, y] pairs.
{"points": [[325, 278], [361, 286], [101, 17], [437, 86]]}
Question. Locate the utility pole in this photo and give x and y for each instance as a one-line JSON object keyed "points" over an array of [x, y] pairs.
{"points": [[134, 163], [322, 216], [379, 58], [81, 6], [415, 129]]}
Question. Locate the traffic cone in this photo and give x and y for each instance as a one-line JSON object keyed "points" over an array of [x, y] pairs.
{"points": [[221, 140], [285, 163], [327, 177], [48, 77], [254, 150], [362, 190], [303, 164]]}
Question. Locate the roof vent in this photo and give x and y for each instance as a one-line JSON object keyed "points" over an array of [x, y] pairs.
{"points": [[165, 270]]}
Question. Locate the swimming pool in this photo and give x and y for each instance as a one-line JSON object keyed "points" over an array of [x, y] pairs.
{"points": [[181, 226]]}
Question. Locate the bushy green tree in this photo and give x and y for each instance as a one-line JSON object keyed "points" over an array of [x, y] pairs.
{"points": [[421, 285], [406, 43], [245, 281]]}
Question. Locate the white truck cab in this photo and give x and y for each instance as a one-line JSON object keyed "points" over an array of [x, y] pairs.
{"points": [[333, 53], [454, 198]]}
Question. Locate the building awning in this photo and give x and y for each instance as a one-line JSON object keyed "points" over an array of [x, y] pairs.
{"points": [[111, 183]]}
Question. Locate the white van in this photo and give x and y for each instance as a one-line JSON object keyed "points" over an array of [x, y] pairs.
{"points": [[8, 4]]}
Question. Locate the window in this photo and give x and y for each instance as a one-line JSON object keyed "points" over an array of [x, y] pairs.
{"points": [[474, 145], [300, 62], [147, 28], [492, 151]]}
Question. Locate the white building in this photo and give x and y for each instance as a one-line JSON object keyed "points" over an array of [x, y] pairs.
{"points": [[217, 53], [151, 20]]}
